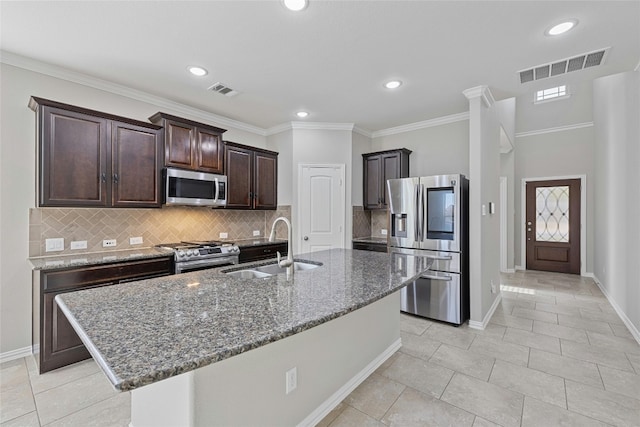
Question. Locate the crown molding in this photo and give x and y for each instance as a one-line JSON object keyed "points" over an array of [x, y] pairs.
{"points": [[309, 126], [363, 132], [480, 91], [439, 121], [96, 83], [554, 129]]}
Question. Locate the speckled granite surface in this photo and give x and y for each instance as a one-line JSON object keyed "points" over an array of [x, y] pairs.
{"points": [[65, 261], [142, 332], [261, 241], [378, 240]]}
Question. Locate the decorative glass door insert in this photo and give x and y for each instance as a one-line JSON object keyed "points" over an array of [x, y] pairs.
{"points": [[552, 214]]}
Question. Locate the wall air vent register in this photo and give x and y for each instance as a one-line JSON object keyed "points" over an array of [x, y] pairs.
{"points": [[563, 66]]}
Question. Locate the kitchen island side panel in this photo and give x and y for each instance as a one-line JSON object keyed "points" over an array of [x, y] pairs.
{"points": [[331, 360]]}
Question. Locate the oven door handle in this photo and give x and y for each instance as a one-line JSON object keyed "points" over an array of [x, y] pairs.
{"points": [[441, 278], [212, 262]]}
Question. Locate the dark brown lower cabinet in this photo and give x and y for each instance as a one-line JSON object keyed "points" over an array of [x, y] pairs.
{"points": [[57, 341], [369, 246], [266, 251]]}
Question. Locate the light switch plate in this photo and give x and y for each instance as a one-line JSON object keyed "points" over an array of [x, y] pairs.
{"points": [[135, 240], [54, 245], [383, 231], [224, 235], [79, 244], [256, 232]]}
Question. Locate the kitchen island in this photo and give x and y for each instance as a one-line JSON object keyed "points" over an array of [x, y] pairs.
{"points": [[205, 348]]}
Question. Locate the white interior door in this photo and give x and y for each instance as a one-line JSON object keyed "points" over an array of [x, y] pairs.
{"points": [[321, 209]]}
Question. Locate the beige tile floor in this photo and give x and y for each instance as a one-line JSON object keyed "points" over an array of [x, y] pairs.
{"points": [[554, 354]]}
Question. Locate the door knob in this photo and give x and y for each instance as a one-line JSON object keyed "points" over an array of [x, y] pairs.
{"points": [[305, 238]]}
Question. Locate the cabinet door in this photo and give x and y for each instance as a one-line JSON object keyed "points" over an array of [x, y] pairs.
{"points": [[238, 164], [209, 151], [73, 159], [136, 166], [390, 164], [265, 186], [178, 145], [61, 345], [371, 181]]}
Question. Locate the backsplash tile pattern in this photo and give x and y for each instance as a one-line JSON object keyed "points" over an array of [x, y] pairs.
{"points": [[379, 220], [361, 222], [166, 225]]}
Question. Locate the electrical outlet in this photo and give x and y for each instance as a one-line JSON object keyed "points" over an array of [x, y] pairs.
{"points": [[494, 289], [54, 245], [79, 244], [383, 231], [135, 240], [108, 243], [291, 377], [224, 235], [256, 233]]}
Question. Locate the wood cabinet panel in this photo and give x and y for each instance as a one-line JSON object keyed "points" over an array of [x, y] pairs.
{"points": [[88, 158], [377, 169], [252, 177], [191, 145], [59, 343], [73, 160], [257, 253], [136, 154]]}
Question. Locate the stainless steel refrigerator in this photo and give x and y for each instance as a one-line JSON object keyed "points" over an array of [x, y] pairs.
{"points": [[429, 217]]}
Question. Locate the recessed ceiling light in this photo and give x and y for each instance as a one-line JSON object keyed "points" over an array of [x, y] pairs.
{"points": [[295, 5], [561, 28], [393, 84], [302, 114], [197, 71]]}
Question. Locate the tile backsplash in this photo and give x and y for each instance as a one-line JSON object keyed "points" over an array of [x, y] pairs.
{"points": [[379, 220], [361, 222], [166, 225]]}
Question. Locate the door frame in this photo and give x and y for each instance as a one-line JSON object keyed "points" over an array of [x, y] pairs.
{"points": [[504, 226], [343, 197], [583, 218]]}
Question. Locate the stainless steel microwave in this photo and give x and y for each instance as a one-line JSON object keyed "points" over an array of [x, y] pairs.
{"points": [[191, 188]]}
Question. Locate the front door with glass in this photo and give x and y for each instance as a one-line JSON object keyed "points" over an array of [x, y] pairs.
{"points": [[553, 225]]}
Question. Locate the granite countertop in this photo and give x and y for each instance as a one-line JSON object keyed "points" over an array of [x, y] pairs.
{"points": [[94, 258], [258, 241], [142, 332], [371, 239]]}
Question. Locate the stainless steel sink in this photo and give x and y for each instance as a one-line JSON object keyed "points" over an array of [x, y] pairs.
{"points": [[248, 274], [276, 269], [269, 270]]}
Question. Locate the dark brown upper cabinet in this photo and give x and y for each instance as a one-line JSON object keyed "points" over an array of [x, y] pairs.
{"points": [[91, 159], [377, 169], [191, 145], [252, 177]]}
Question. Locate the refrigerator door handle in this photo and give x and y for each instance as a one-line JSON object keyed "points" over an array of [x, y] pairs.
{"points": [[439, 258], [416, 217], [441, 278], [422, 213]]}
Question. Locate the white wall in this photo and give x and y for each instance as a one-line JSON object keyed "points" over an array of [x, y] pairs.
{"points": [[360, 145], [436, 150], [17, 165], [283, 143], [563, 153], [484, 187], [617, 191], [506, 109]]}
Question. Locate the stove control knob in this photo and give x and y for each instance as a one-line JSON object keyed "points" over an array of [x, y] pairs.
{"points": [[190, 252], [180, 254], [236, 249]]}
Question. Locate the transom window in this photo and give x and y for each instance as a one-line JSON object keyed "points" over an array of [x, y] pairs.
{"points": [[551, 93]]}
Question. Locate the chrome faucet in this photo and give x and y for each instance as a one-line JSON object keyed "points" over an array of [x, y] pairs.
{"points": [[289, 261]]}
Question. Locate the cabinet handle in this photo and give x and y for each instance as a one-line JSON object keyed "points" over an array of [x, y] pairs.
{"points": [[266, 251], [103, 177], [115, 178], [250, 195], [255, 196]]}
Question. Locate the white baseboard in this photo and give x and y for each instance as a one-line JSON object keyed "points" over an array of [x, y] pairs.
{"points": [[474, 324], [632, 328], [589, 274], [15, 354], [519, 267], [328, 405], [509, 270]]}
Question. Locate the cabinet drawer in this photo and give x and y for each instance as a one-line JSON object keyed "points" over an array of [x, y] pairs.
{"points": [[105, 274], [376, 247], [257, 253]]}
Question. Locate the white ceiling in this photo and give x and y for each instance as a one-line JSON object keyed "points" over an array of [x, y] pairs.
{"points": [[332, 58]]}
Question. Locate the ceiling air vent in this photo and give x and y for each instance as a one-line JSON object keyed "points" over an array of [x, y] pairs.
{"points": [[566, 65], [223, 89]]}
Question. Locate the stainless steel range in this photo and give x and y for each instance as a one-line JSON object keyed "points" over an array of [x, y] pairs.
{"points": [[200, 255]]}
